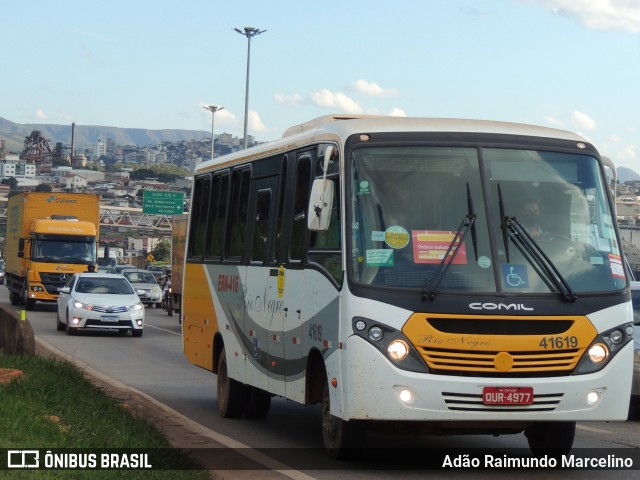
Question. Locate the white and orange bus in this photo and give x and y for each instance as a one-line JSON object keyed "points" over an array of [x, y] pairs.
{"points": [[381, 266]]}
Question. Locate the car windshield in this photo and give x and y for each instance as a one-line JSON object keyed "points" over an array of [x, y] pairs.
{"points": [[113, 286], [139, 277]]}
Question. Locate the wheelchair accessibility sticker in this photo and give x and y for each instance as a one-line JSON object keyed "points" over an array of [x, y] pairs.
{"points": [[515, 276]]}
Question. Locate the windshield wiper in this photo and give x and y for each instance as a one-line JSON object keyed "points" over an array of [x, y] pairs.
{"points": [[467, 222], [503, 225], [512, 224], [472, 213]]}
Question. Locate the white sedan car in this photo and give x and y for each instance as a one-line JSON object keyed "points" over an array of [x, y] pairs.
{"points": [[100, 301]]}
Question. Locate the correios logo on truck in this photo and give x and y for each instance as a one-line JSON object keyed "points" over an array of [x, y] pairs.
{"points": [[55, 199]]}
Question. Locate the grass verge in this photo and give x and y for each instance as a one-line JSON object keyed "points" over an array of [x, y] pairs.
{"points": [[52, 406]]}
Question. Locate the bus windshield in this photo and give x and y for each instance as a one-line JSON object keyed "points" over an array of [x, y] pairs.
{"points": [[481, 220]]}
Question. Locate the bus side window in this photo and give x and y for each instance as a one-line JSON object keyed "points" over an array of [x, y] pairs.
{"points": [[261, 226], [297, 241]]}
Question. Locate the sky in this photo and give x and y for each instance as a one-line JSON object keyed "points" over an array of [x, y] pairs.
{"points": [[154, 64]]}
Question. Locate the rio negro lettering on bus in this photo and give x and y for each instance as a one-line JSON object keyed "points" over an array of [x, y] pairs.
{"points": [[266, 304]]}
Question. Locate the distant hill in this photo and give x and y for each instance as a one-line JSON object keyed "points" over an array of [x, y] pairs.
{"points": [[14, 135], [626, 175]]}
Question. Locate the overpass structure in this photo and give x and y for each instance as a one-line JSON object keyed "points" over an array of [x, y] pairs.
{"points": [[121, 218]]}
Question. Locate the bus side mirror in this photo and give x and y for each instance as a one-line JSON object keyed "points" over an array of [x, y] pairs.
{"points": [[320, 205], [321, 199]]}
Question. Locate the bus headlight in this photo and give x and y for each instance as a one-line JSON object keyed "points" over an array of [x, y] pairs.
{"points": [[391, 343], [598, 353], [603, 348], [398, 350]]}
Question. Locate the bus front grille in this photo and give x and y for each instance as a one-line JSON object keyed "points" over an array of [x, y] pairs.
{"points": [[451, 361], [473, 403]]}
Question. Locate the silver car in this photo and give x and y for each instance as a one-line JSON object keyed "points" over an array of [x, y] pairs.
{"points": [[99, 301], [145, 280]]}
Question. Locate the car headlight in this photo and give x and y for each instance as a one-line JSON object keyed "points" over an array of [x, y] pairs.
{"points": [[603, 348], [156, 290], [391, 343], [137, 306], [85, 306]]}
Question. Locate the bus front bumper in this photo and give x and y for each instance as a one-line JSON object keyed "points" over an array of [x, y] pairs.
{"points": [[377, 390]]}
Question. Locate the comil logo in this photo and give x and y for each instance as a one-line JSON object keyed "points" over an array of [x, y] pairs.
{"points": [[23, 459], [499, 306]]}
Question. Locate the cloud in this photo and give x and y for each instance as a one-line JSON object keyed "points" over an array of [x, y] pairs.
{"points": [[582, 121], [372, 89], [294, 100], [629, 153], [338, 100], [255, 123], [556, 122], [621, 15], [40, 115], [397, 112]]}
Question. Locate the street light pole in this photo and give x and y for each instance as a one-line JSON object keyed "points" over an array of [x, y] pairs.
{"points": [[248, 32], [213, 109]]}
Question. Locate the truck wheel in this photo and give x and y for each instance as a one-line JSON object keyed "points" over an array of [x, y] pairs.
{"points": [[14, 298]]}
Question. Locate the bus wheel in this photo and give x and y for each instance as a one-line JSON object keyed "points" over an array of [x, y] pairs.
{"points": [[339, 438], [258, 403], [231, 393], [555, 438]]}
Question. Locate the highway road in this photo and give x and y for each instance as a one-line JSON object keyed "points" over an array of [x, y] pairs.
{"points": [[154, 364]]}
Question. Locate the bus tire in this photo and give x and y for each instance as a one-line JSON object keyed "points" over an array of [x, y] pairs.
{"points": [[258, 403], [551, 438], [340, 438], [230, 392]]}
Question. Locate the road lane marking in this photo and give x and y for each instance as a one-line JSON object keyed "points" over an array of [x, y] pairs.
{"points": [[148, 325], [593, 429]]}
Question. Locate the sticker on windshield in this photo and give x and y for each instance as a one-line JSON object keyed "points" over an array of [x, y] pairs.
{"points": [[615, 264], [380, 257], [377, 236], [484, 262], [364, 188], [396, 237], [430, 246], [515, 276]]}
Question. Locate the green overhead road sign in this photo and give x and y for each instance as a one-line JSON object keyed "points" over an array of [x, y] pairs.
{"points": [[157, 202]]}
